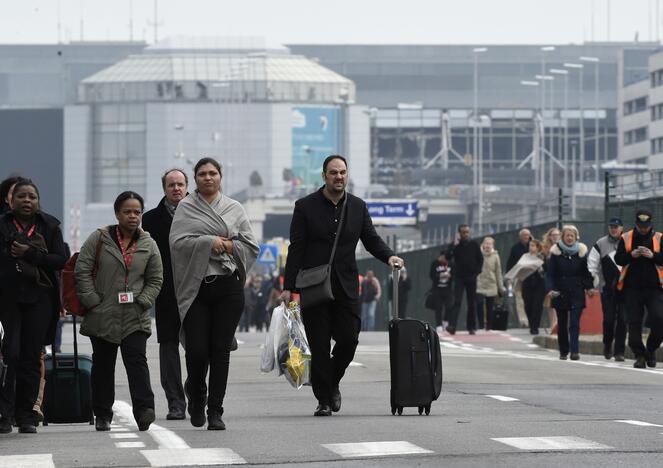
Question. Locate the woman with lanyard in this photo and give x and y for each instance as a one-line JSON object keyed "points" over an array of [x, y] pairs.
{"points": [[212, 247], [31, 252], [118, 277]]}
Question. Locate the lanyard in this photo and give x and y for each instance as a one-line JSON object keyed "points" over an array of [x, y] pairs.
{"points": [[127, 257], [21, 229]]}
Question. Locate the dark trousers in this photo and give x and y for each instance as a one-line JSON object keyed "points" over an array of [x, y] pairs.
{"points": [[26, 326], [209, 327], [469, 286], [614, 323], [443, 304], [568, 330], [104, 355], [635, 301], [533, 301], [338, 320], [171, 374], [489, 303]]}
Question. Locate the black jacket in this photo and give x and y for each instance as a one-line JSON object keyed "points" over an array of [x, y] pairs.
{"points": [[312, 232], [157, 222], [51, 263], [467, 259], [641, 271], [517, 251], [569, 276]]}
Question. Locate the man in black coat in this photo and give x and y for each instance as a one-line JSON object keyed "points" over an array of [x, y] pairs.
{"points": [[312, 232], [157, 222], [468, 260]]}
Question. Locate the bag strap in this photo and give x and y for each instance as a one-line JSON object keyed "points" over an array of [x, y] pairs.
{"points": [[338, 230]]}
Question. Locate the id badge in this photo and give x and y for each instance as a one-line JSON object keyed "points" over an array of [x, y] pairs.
{"points": [[126, 297]]}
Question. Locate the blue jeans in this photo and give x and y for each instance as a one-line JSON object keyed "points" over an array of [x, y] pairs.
{"points": [[568, 330], [368, 316]]}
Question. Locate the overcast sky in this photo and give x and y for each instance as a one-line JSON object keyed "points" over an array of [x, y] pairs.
{"points": [[335, 21]]}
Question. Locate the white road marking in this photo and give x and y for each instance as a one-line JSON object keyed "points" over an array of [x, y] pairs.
{"points": [[375, 449], [124, 435], [551, 443], [513, 338], [44, 460], [502, 398], [119, 429], [532, 345], [129, 444], [192, 457], [356, 364], [637, 423], [165, 439]]}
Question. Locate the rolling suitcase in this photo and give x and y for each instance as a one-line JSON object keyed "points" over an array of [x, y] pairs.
{"points": [[415, 361], [500, 315], [68, 392]]}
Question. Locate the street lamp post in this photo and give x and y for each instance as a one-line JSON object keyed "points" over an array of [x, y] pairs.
{"points": [[596, 62], [543, 79], [580, 67], [536, 148], [475, 117], [565, 74]]}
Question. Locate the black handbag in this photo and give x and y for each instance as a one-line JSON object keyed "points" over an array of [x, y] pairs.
{"points": [[314, 284]]}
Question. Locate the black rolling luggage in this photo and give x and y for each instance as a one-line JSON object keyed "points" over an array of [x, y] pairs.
{"points": [[500, 315], [68, 393], [415, 361]]}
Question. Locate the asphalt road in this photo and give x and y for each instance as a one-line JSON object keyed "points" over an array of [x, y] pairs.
{"points": [[505, 402]]}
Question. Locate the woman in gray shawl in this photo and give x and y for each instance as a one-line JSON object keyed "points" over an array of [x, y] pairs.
{"points": [[212, 247]]}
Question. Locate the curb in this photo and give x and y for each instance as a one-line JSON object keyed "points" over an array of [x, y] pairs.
{"points": [[587, 346]]}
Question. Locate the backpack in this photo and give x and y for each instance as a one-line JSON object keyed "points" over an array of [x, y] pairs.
{"points": [[70, 300]]}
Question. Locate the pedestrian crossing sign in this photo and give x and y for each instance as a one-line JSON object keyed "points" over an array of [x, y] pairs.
{"points": [[268, 254]]}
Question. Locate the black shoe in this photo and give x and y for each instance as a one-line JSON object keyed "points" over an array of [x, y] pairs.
{"points": [[5, 426], [451, 330], [27, 429], [563, 357], [323, 410], [640, 362], [651, 360], [607, 352], [145, 418], [619, 358], [102, 424], [196, 409], [534, 331], [214, 421], [336, 400], [575, 356], [175, 415], [472, 332]]}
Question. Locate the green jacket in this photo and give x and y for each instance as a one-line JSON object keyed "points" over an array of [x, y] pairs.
{"points": [[106, 317]]}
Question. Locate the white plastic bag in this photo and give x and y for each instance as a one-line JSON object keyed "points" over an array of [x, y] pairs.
{"points": [[293, 353], [268, 359]]}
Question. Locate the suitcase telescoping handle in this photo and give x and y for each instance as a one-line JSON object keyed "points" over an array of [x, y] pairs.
{"points": [[395, 275]]}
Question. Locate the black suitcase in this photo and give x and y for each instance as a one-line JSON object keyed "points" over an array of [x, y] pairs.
{"points": [[68, 392], [500, 316], [415, 361]]}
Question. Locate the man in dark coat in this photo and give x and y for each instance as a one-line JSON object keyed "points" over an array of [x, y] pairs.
{"points": [[157, 222], [312, 233], [519, 249]]}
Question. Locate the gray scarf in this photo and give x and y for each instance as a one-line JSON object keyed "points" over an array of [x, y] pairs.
{"points": [[195, 226]]}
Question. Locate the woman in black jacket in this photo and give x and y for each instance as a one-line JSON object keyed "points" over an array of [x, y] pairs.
{"points": [[31, 252], [568, 278]]}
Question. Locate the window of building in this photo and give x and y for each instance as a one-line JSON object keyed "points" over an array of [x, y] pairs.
{"points": [[635, 136], [635, 106], [657, 112], [657, 145]]}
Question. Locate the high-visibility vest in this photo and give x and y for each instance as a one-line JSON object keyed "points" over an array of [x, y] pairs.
{"points": [[628, 245]]}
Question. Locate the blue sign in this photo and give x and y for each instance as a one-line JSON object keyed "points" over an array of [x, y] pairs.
{"points": [[315, 135], [394, 213], [268, 255]]}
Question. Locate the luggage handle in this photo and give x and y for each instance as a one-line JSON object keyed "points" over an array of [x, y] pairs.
{"points": [[395, 275]]}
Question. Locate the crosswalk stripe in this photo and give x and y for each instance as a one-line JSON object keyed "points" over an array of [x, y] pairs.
{"points": [[164, 438], [638, 423], [130, 444], [124, 435], [43, 460], [375, 449], [192, 457], [502, 398], [551, 443]]}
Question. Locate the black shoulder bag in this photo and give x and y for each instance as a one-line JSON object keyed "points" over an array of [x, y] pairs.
{"points": [[314, 284]]}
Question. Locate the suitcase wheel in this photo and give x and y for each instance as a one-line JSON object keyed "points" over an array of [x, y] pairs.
{"points": [[400, 410], [421, 410], [427, 410]]}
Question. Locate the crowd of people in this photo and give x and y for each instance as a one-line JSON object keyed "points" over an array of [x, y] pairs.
{"points": [[191, 258]]}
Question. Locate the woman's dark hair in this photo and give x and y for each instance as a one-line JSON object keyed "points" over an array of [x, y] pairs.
{"points": [[128, 195], [23, 182], [329, 159], [204, 161], [6, 184]]}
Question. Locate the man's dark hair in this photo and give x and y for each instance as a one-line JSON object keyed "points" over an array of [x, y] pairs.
{"points": [[23, 182], [6, 184], [174, 169], [463, 226], [328, 159], [204, 161], [128, 195]]}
